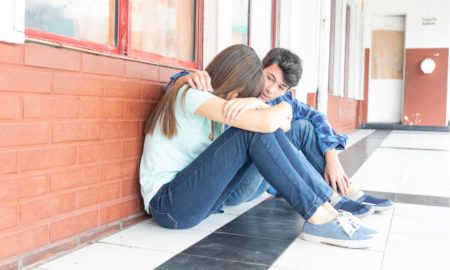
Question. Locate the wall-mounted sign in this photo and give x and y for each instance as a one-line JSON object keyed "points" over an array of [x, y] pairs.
{"points": [[429, 20]]}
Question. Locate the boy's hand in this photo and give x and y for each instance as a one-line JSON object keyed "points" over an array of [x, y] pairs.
{"points": [[334, 174], [199, 80]]}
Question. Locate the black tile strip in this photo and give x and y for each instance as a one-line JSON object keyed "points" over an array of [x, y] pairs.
{"points": [[414, 148], [412, 198], [353, 157], [189, 262]]}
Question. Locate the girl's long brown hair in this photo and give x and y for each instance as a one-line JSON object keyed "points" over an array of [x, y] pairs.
{"points": [[235, 68]]}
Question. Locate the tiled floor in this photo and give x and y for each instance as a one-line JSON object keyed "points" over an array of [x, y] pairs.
{"points": [[413, 168]]}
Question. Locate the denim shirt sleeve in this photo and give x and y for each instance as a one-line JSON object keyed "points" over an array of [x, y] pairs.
{"points": [[328, 138], [174, 77]]}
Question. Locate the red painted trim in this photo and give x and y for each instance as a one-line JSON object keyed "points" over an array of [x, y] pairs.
{"points": [[249, 36], [274, 19], [122, 27], [29, 32]]}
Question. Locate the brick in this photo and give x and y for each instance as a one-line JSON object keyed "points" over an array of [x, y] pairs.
{"points": [[8, 216], [100, 151], [22, 241], [91, 108], [47, 158], [132, 148], [137, 110], [142, 71], [20, 134], [68, 179], [96, 195], [130, 187], [25, 80], [33, 211], [99, 232], [51, 57], [77, 85], [24, 187], [67, 107], [36, 108], [8, 161], [118, 130], [118, 211], [10, 107], [48, 252], [72, 226], [119, 170], [75, 132], [103, 65], [10, 53], [152, 92], [126, 89], [112, 109], [165, 73]]}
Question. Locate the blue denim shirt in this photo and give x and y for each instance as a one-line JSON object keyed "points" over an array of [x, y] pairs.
{"points": [[328, 138]]}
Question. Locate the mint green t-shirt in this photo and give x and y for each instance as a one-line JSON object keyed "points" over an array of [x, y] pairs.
{"points": [[163, 158]]}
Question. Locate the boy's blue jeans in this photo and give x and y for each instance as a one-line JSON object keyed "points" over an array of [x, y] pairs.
{"points": [[303, 138], [202, 187]]}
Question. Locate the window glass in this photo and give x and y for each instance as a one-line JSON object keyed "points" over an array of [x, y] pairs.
{"points": [[240, 22], [85, 20], [164, 27]]}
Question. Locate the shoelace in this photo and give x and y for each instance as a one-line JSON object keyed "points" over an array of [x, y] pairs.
{"points": [[354, 221], [347, 224]]}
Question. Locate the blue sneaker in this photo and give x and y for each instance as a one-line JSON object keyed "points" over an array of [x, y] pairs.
{"points": [[339, 232], [355, 208], [376, 203]]}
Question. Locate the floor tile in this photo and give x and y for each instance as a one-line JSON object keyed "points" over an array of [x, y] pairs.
{"points": [[422, 227], [380, 222], [396, 261], [419, 245], [275, 208], [239, 248], [270, 228], [422, 211], [149, 235], [189, 262], [307, 255], [107, 256]]}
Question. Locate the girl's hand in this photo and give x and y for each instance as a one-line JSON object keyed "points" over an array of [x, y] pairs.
{"points": [[235, 108]]}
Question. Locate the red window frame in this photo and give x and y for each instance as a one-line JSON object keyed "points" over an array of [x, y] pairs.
{"points": [[123, 28]]}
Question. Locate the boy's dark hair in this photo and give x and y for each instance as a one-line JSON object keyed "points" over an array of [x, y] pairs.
{"points": [[289, 62]]}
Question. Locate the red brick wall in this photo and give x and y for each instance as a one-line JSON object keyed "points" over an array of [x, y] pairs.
{"points": [[343, 113], [71, 132]]}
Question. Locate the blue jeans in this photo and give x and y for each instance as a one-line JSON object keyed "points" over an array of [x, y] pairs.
{"points": [[202, 187], [304, 139]]}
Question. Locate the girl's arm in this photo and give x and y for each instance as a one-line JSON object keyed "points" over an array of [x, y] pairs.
{"points": [[259, 120]]}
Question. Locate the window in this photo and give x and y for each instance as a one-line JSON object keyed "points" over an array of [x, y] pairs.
{"points": [[240, 19], [164, 27], [84, 20], [156, 30]]}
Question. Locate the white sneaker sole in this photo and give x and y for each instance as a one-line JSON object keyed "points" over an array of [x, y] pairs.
{"points": [[340, 243], [382, 208]]}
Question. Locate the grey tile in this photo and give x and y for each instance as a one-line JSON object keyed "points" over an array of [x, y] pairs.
{"points": [[239, 248], [189, 262], [423, 200], [274, 208], [271, 228]]}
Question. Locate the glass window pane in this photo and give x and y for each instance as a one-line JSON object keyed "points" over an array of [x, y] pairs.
{"points": [[85, 20], [164, 27], [240, 22]]}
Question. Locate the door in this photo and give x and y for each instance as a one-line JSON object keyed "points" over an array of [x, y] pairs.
{"points": [[385, 98]]}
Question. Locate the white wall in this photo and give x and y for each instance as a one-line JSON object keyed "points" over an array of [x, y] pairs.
{"points": [[12, 21], [300, 32], [261, 26], [417, 35]]}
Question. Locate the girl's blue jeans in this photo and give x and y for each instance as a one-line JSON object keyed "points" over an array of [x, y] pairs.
{"points": [[304, 139], [201, 188]]}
